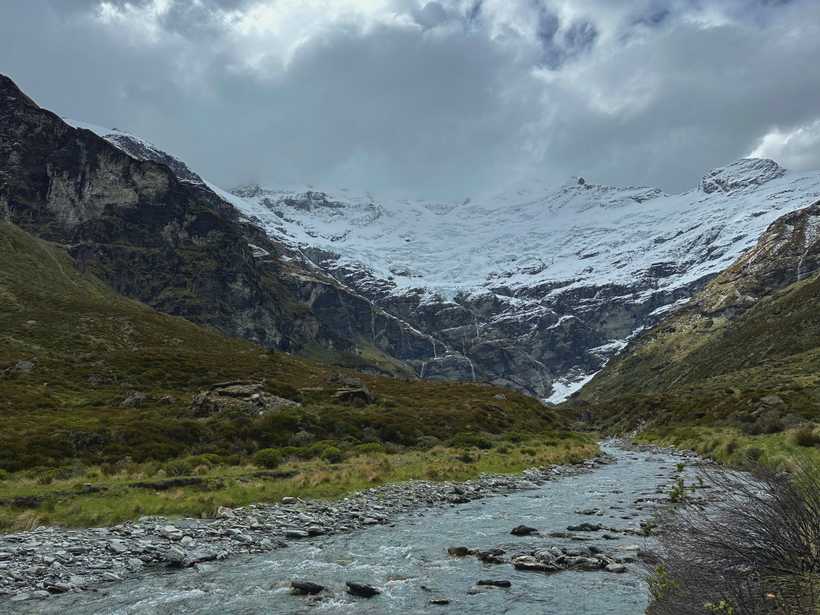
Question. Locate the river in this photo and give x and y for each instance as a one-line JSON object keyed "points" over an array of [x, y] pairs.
{"points": [[408, 560]]}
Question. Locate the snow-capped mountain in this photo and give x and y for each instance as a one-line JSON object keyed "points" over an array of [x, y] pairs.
{"points": [[535, 287]]}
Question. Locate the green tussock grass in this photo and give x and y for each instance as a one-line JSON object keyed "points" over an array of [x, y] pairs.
{"points": [[63, 502], [733, 447]]}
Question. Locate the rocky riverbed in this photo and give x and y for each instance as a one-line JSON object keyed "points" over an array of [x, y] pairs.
{"points": [[45, 562]]}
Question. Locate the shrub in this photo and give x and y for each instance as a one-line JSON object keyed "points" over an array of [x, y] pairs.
{"points": [[466, 457], [208, 460], [425, 442], [467, 440], [333, 455], [752, 550], [178, 467], [267, 458], [753, 453], [805, 436], [3, 475], [368, 448]]}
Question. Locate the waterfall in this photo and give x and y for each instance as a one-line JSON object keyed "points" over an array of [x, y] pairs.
{"points": [[472, 367], [373, 322], [809, 237], [423, 365]]}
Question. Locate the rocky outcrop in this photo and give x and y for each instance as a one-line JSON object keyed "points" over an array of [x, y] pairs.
{"points": [[156, 233], [760, 311], [248, 398], [535, 288]]}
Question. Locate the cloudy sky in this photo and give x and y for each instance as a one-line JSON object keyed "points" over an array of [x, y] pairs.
{"points": [[445, 98]]}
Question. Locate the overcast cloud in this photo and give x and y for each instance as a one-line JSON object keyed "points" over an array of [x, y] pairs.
{"points": [[446, 98]]}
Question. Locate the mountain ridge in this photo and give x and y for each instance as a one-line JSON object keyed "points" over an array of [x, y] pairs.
{"points": [[534, 288], [176, 245]]}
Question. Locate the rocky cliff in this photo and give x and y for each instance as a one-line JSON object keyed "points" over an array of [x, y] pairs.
{"points": [[174, 244], [745, 351], [533, 288]]}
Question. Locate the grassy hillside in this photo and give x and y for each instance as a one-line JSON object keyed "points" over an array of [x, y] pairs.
{"points": [[743, 358], [73, 354]]}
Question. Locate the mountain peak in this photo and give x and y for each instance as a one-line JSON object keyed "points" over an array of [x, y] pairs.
{"points": [[11, 93], [741, 174]]}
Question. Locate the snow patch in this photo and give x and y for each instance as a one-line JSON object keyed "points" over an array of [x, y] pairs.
{"points": [[562, 389]]}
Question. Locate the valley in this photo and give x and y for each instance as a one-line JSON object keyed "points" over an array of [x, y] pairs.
{"points": [[315, 369]]}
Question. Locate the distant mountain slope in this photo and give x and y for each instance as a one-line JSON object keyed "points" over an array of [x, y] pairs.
{"points": [[745, 349], [86, 374], [177, 246], [538, 287], [534, 288]]}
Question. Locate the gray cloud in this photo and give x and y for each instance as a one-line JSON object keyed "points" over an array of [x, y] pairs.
{"points": [[443, 98]]}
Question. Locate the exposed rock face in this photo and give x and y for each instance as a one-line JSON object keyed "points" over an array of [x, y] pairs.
{"points": [[249, 398], [746, 316], [537, 288], [159, 235], [746, 173], [534, 288]]}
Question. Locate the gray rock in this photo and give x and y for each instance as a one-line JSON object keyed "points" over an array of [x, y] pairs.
{"points": [[24, 366], [305, 588], [529, 563], [175, 556], [362, 590], [493, 583], [117, 546], [585, 527], [135, 399], [460, 551], [295, 534]]}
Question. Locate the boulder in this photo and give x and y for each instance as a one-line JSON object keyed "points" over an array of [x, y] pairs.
{"points": [[585, 527], [176, 557], [523, 530], [358, 397], [460, 551], [530, 563], [248, 398], [24, 366], [305, 588], [362, 590], [493, 556], [135, 399], [493, 583]]}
